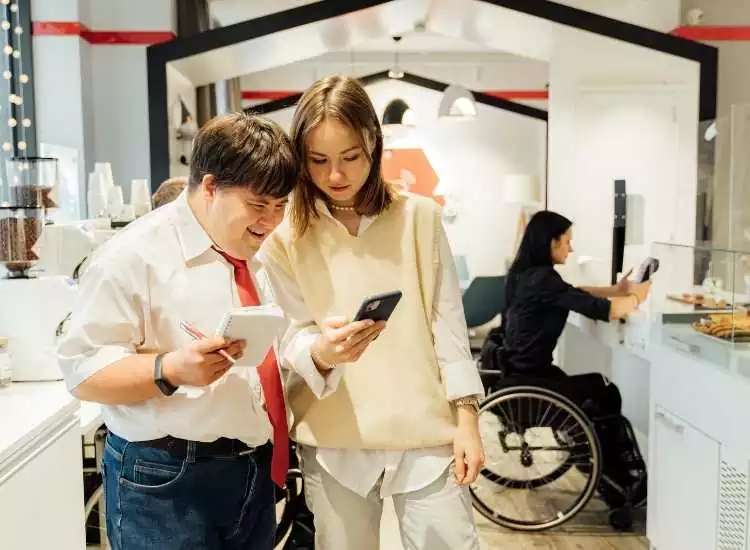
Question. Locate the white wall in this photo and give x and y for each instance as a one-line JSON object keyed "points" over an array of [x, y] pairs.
{"points": [[660, 15], [617, 111], [62, 85], [731, 185], [470, 157], [94, 97]]}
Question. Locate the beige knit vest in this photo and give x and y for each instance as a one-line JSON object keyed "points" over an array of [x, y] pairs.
{"points": [[393, 396]]}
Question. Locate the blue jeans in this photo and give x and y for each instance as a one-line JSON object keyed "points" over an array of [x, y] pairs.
{"points": [[155, 500]]}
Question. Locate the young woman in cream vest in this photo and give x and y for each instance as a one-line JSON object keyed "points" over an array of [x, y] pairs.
{"points": [[397, 413]]}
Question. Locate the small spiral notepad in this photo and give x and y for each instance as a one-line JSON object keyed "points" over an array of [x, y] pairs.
{"points": [[259, 326]]}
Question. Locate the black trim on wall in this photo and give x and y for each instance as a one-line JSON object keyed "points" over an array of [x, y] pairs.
{"points": [[159, 55], [706, 56], [415, 80], [23, 65]]}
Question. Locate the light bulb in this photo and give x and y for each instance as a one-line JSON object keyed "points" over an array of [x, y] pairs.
{"points": [[8, 49], [26, 122], [7, 75], [24, 78], [16, 54], [12, 122], [18, 29], [5, 25], [14, 7], [22, 145], [6, 2], [7, 147]]}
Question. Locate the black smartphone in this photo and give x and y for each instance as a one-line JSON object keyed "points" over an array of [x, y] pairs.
{"points": [[647, 269], [379, 307]]}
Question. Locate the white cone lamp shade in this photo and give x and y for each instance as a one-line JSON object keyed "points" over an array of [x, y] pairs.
{"points": [[457, 103]]}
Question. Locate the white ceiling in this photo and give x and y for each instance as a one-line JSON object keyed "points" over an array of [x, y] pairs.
{"points": [[228, 12], [468, 27]]}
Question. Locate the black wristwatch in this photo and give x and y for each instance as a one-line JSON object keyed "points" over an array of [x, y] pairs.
{"points": [[164, 386]]}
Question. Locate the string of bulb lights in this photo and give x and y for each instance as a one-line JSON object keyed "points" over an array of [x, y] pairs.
{"points": [[15, 76]]}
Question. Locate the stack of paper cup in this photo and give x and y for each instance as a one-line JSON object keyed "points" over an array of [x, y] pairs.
{"points": [[115, 202], [97, 196], [105, 170], [140, 197]]}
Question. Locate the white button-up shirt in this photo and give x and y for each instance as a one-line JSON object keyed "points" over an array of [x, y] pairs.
{"points": [[401, 471], [158, 271]]}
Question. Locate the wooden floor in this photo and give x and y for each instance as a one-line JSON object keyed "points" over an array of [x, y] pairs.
{"points": [[587, 531]]}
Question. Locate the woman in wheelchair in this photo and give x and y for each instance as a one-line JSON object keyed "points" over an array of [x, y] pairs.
{"points": [[517, 366]]}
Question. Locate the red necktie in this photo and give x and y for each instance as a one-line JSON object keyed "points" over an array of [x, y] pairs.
{"points": [[270, 378]]}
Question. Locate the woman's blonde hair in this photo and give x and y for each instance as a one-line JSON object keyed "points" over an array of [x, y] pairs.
{"points": [[342, 99]]}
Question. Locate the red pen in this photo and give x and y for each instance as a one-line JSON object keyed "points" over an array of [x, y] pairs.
{"points": [[197, 335]]}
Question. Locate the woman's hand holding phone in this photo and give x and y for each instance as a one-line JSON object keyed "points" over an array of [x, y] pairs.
{"points": [[341, 341]]}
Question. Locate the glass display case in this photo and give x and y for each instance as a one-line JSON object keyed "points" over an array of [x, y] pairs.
{"points": [[700, 300]]}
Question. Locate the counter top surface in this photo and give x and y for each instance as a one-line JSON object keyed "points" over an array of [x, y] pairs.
{"points": [[30, 409]]}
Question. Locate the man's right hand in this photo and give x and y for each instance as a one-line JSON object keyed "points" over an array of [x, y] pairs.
{"points": [[341, 341], [199, 363]]}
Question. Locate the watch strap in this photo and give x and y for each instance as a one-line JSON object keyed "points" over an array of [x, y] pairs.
{"points": [[164, 386], [470, 401]]}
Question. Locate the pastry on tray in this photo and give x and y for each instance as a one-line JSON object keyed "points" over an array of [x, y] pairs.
{"points": [[726, 326], [699, 300]]}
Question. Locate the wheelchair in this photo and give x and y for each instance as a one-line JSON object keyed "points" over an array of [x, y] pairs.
{"points": [[295, 528], [547, 456]]}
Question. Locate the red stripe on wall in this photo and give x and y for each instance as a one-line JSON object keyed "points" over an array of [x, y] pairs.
{"points": [[57, 28], [269, 95], [266, 94], [519, 94], [714, 33], [74, 28], [145, 38]]}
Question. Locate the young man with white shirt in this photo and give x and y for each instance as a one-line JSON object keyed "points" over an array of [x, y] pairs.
{"points": [[188, 458]]}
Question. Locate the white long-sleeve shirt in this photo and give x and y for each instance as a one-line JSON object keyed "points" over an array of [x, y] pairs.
{"points": [[402, 471], [137, 288]]}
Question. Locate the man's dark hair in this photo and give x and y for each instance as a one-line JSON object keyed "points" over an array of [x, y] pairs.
{"points": [[242, 150]]}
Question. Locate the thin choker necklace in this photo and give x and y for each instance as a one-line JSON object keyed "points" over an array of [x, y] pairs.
{"points": [[342, 208]]}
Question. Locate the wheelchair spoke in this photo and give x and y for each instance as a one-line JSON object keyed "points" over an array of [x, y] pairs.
{"points": [[543, 459]]}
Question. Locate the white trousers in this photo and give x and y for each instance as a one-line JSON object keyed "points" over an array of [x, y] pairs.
{"points": [[438, 517]]}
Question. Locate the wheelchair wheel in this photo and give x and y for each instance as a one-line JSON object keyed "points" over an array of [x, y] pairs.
{"points": [[290, 497], [543, 462]]}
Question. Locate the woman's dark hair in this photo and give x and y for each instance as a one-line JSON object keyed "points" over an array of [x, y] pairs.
{"points": [[535, 249], [543, 228]]}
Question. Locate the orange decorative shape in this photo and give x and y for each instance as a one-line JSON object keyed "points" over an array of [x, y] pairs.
{"points": [[411, 170]]}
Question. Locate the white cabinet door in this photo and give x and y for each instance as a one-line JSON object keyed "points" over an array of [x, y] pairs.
{"points": [[41, 495], [683, 485]]}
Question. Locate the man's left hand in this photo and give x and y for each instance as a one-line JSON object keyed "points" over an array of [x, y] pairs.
{"points": [[468, 449]]}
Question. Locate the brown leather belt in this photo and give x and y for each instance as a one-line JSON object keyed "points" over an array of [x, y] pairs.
{"points": [[221, 448]]}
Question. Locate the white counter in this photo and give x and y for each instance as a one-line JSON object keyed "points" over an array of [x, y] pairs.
{"points": [[619, 352], [41, 481], [29, 411]]}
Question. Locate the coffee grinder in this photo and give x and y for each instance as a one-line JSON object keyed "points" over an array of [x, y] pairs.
{"points": [[33, 305]]}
